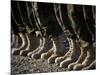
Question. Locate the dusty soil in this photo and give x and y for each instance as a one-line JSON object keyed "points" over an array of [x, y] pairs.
{"points": [[26, 65]]}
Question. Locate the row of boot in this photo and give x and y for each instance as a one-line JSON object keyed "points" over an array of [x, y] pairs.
{"points": [[60, 33]]}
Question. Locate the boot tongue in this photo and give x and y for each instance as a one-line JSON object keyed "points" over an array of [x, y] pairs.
{"points": [[58, 43]]}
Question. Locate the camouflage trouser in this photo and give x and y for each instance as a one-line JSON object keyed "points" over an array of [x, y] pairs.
{"points": [[53, 19]]}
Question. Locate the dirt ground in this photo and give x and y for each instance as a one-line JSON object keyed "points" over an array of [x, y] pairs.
{"points": [[26, 65]]}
